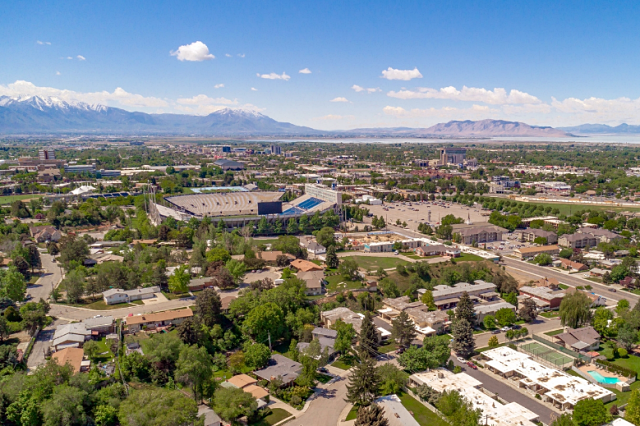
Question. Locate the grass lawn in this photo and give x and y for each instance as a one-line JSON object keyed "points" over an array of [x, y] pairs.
{"points": [[421, 413], [630, 361], [265, 241], [353, 413], [97, 305], [621, 397], [102, 345], [8, 199], [563, 286], [344, 362], [402, 281], [388, 348], [468, 257], [554, 332], [335, 280], [550, 314], [323, 378], [277, 415], [174, 296], [373, 263]]}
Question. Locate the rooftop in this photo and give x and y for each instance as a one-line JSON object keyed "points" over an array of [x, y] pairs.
{"points": [[159, 316]]}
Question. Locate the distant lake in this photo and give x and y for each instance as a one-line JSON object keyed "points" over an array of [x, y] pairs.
{"points": [[612, 139]]}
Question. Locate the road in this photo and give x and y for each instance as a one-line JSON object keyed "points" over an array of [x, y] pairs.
{"points": [[573, 280], [52, 276], [509, 394], [540, 325], [325, 409]]}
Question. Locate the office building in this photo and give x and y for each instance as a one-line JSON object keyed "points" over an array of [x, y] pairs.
{"points": [[47, 154], [276, 150], [452, 156]]}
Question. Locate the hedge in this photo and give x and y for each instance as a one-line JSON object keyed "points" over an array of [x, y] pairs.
{"points": [[616, 368]]}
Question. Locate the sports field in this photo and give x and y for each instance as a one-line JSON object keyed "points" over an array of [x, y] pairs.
{"points": [[8, 199], [544, 352]]}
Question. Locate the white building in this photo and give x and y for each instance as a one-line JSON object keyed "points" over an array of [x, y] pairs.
{"points": [[118, 295]]}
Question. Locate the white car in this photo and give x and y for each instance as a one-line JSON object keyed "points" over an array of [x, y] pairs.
{"points": [[507, 328], [462, 360]]}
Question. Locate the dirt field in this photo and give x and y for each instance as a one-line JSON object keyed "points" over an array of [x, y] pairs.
{"points": [[438, 210]]}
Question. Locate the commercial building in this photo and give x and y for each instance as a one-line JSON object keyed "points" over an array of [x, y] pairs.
{"points": [[531, 252], [478, 233], [556, 387], [452, 156], [46, 154], [577, 240], [544, 297], [83, 168], [276, 150], [493, 412], [530, 234]]}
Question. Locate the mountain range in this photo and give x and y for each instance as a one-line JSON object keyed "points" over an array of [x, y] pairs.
{"points": [[49, 115]]}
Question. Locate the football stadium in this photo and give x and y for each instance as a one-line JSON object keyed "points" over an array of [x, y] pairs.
{"points": [[238, 208]]}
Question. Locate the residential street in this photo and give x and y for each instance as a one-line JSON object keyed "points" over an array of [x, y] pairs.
{"points": [[508, 393], [52, 276]]}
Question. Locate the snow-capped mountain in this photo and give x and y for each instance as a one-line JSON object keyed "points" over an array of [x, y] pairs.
{"points": [[38, 114]]}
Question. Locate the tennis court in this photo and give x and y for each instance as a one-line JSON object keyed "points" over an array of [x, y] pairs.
{"points": [[546, 353]]}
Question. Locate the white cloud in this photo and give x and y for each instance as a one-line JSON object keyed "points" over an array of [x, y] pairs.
{"points": [[335, 117], [205, 100], [305, 71], [196, 52], [119, 95], [57, 72], [253, 89], [81, 58], [228, 55], [476, 112], [274, 76], [496, 96], [218, 86], [48, 43], [69, 57], [339, 99], [406, 75], [241, 55], [364, 89]]}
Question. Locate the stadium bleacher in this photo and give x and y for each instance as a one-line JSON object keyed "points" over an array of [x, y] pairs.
{"points": [[223, 204], [310, 203]]}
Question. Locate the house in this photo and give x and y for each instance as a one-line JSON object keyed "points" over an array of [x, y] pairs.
{"points": [[573, 266], [324, 332], [530, 235], [305, 265], [280, 367], [428, 322], [226, 301], [314, 281], [70, 336], [100, 324], [44, 234], [596, 300], [531, 252], [597, 272], [583, 339], [431, 250], [396, 413], [326, 343], [117, 295], [345, 315], [210, 416], [629, 282], [544, 296], [159, 319], [242, 380], [197, 284], [72, 356], [490, 309], [271, 257], [315, 248]]}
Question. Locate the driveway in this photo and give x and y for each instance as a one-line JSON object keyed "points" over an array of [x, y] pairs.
{"points": [[508, 393], [42, 344], [52, 276], [327, 405]]}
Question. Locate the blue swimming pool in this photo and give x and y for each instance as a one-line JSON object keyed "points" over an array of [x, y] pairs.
{"points": [[602, 379]]}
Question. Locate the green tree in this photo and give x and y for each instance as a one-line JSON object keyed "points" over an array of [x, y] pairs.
{"points": [[256, 355], [543, 259], [73, 252], [233, 403], [632, 412], [195, 369], [493, 342], [427, 299], [589, 412], [564, 419], [265, 320], [505, 317], [433, 353], [529, 310], [369, 340], [237, 269], [209, 306], [463, 342], [91, 349], [601, 320], [74, 284], [566, 253], [627, 336], [345, 337], [373, 415], [465, 310], [511, 298], [332, 259], [158, 407], [349, 269], [392, 379], [325, 237], [12, 284], [179, 281], [403, 329], [65, 407], [575, 310], [364, 382], [489, 322]]}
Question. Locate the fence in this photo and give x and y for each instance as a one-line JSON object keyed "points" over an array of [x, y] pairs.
{"points": [[408, 390], [546, 341], [547, 355], [29, 349]]}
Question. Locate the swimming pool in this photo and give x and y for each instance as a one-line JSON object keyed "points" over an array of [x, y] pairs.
{"points": [[602, 379]]}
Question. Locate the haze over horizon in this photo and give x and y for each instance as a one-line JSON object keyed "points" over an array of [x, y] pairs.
{"points": [[333, 65]]}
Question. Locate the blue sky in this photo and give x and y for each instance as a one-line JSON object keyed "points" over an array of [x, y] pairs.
{"points": [[540, 62]]}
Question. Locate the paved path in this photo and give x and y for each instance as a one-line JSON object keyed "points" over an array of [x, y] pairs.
{"points": [[42, 343], [507, 393], [329, 402], [53, 274]]}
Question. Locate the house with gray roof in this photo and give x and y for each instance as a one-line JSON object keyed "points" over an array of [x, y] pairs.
{"points": [[280, 366], [117, 295], [583, 339]]}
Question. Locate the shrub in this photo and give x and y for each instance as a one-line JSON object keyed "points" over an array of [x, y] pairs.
{"points": [[622, 352], [457, 369], [616, 368], [538, 396]]}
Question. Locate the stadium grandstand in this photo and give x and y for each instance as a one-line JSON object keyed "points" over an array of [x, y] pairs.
{"points": [[238, 208]]}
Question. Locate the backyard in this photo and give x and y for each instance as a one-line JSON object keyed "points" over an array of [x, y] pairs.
{"points": [[421, 413]]}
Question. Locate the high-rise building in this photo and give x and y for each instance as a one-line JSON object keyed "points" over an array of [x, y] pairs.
{"points": [[276, 150], [47, 154], [226, 149], [452, 155]]}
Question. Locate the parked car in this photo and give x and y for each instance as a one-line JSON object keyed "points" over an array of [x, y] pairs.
{"points": [[462, 360], [613, 290], [472, 365], [506, 328], [323, 370], [495, 332], [400, 351]]}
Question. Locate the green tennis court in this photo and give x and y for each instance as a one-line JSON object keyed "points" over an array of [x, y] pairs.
{"points": [[544, 352]]}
